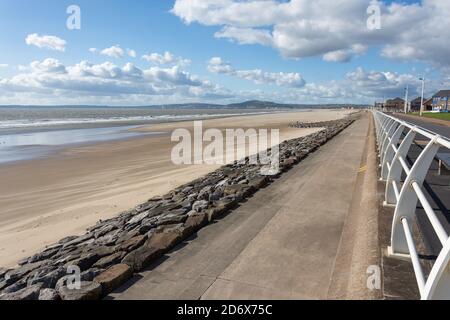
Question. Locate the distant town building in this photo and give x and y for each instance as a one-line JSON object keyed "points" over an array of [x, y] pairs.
{"points": [[440, 100], [395, 105]]}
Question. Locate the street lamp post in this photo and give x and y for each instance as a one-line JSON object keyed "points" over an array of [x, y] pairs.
{"points": [[406, 98], [423, 90]]}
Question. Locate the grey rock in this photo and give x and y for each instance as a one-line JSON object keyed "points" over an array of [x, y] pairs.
{"points": [[20, 272], [3, 271], [187, 190], [147, 226], [222, 183], [100, 251], [216, 195], [90, 274], [78, 240], [104, 230], [3, 284], [47, 277], [87, 291], [187, 204], [192, 197], [28, 293], [108, 239], [234, 189], [133, 243], [23, 261], [44, 255], [85, 261], [172, 219], [67, 239], [16, 286], [200, 205], [205, 192], [164, 209], [110, 260], [142, 257], [139, 218], [48, 295], [114, 277], [127, 236], [194, 222]]}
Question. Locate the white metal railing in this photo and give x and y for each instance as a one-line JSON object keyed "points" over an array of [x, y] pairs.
{"points": [[404, 197]]}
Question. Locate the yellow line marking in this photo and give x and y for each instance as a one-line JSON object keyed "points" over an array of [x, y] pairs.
{"points": [[362, 169]]}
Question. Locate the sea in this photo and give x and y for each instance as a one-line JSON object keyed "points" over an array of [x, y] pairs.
{"points": [[33, 132]]}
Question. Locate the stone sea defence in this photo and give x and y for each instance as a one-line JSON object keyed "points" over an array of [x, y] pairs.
{"points": [[113, 250], [321, 124]]}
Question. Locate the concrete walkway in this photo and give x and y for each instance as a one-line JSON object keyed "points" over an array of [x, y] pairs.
{"points": [[281, 244]]}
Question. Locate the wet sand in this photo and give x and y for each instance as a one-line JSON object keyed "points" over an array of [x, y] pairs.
{"points": [[44, 200]]}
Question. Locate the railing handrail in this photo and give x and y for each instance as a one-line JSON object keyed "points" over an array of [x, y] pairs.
{"points": [[443, 141], [392, 153]]}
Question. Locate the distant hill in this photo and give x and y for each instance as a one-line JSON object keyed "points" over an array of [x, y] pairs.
{"points": [[251, 104], [255, 104]]}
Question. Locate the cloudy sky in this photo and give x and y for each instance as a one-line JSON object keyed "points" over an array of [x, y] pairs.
{"points": [[138, 52]]}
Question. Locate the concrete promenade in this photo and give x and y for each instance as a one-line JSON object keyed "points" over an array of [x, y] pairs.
{"points": [[283, 243]]}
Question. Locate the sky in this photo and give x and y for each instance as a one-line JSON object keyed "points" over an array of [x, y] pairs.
{"points": [[134, 52]]}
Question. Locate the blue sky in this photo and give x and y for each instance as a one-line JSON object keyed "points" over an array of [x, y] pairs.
{"points": [[380, 68]]}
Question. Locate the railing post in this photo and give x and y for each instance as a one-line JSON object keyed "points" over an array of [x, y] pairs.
{"points": [[382, 132], [375, 120], [387, 139], [407, 203], [438, 284], [390, 152], [395, 173]]}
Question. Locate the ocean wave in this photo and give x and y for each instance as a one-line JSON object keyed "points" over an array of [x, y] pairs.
{"points": [[25, 123]]}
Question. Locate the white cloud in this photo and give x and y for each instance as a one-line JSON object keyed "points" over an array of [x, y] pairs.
{"points": [[4, 65], [382, 83], [131, 53], [338, 56], [335, 30], [93, 50], [46, 42], [48, 66], [246, 35], [362, 86], [113, 52], [50, 79], [217, 65], [288, 79], [166, 58], [358, 86]]}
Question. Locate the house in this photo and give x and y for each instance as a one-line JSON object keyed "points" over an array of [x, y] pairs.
{"points": [[428, 104], [440, 100], [415, 104], [395, 105]]}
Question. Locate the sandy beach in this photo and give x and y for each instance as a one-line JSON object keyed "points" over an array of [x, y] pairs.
{"points": [[47, 199]]}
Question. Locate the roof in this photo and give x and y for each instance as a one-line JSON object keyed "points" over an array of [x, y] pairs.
{"points": [[395, 100], [418, 100], [442, 93]]}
